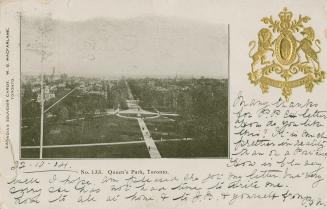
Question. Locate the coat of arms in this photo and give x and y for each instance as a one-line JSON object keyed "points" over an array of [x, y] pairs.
{"points": [[288, 50]]}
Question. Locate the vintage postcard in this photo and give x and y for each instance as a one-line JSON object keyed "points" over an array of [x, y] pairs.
{"points": [[163, 104]]}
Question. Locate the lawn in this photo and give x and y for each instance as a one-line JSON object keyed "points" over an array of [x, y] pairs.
{"points": [[162, 127], [148, 108], [30, 131], [115, 151], [111, 128], [93, 130], [193, 148]]}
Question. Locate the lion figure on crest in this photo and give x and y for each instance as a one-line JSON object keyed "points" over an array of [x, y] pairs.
{"points": [[264, 45], [306, 46]]}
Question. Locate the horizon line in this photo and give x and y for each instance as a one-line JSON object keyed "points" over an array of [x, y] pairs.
{"points": [[129, 76]]}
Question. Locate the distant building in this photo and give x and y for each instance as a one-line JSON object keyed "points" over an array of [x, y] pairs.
{"points": [[47, 96], [99, 93], [62, 85], [46, 90], [36, 89], [53, 88]]}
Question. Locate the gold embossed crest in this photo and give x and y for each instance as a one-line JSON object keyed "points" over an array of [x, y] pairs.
{"points": [[286, 56]]}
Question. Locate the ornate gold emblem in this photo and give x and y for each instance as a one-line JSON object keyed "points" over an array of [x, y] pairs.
{"points": [[286, 49]]}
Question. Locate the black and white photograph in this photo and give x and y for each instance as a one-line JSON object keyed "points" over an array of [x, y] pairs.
{"points": [[149, 86]]}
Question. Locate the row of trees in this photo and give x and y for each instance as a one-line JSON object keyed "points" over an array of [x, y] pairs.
{"points": [[202, 104], [204, 110], [163, 98], [117, 95], [77, 105]]}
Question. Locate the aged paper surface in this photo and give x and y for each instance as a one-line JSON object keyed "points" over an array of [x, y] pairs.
{"points": [[163, 104]]}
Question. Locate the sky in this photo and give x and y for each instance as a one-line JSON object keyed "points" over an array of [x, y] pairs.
{"points": [[148, 45], [114, 38], [77, 10]]}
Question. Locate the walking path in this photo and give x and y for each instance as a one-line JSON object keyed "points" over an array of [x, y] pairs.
{"points": [[151, 146], [98, 144], [83, 145]]}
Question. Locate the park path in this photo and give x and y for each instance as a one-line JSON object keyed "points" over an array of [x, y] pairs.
{"points": [[130, 95], [150, 144], [84, 145]]}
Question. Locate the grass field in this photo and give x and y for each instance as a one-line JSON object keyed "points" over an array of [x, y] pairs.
{"points": [[147, 108], [192, 148], [162, 127], [108, 129], [116, 151], [94, 130], [30, 132], [167, 149]]}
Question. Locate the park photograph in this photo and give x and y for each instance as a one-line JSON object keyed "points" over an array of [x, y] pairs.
{"points": [[137, 87]]}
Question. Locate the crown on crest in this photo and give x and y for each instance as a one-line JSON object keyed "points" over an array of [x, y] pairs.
{"points": [[285, 18]]}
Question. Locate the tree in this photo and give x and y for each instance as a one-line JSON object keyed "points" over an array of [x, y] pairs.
{"points": [[63, 114]]}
